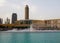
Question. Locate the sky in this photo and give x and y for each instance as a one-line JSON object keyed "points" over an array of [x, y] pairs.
{"points": [[38, 9]]}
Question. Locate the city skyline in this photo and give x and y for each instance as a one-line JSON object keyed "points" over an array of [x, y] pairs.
{"points": [[39, 9]]}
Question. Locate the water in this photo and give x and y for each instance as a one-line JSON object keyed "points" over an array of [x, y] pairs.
{"points": [[29, 37]]}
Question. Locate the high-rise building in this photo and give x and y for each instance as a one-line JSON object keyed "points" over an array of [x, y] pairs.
{"points": [[1, 21], [14, 18], [26, 12]]}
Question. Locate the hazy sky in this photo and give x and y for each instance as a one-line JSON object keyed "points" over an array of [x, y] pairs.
{"points": [[39, 9]]}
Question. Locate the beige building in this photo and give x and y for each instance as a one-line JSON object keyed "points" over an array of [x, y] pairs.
{"points": [[55, 23], [52, 23]]}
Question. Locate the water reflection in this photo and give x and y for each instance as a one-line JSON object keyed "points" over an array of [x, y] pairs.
{"points": [[20, 38], [5, 37], [27, 37], [0, 38], [13, 38]]}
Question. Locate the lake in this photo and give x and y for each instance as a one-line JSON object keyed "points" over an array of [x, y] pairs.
{"points": [[29, 37]]}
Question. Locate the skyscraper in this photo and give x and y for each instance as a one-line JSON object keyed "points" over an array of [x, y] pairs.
{"points": [[14, 18], [26, 12], [1, 21]]}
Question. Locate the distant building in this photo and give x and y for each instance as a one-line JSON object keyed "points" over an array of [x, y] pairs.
{"points": [[14, 18], [1, 21], [7, 21], [26, 12]]}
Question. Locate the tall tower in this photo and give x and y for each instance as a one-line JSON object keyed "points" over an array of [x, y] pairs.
{"points": [[14, 18], [26, 12]]}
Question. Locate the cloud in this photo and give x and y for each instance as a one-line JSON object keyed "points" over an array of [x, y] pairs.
{"points": [[25, 2], [2, 2], [15, 7], [33, 9], [34, 12]]}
